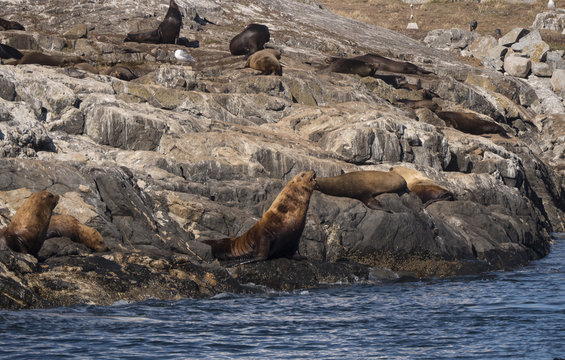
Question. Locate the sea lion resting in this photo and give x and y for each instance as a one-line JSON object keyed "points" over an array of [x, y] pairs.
{"points": [[250, 40], [266, 61], [351, 66], [426, 189], [385, 64], [470, 123], [52, 60], [68, 226], [363, 186], [167, 32], [278, 231], [28, 229]]}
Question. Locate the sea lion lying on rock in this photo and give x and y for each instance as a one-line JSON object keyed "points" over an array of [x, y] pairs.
{"points": [[51, 60], [250, 40], [167, 32], [8, 52], [363, 186], [266, 61], [351, 66], [470, 123], [426, 189], [279, 230], [385, 64], [68, 226], [28, 229]]}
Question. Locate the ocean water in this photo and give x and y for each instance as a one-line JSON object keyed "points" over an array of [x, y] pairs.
{"points": [[518, 314]]}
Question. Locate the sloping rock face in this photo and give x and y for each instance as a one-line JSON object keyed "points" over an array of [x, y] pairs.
{"points": [[183, 154]]}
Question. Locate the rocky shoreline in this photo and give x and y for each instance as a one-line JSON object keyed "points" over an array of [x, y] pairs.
{"points": [[188, 153]]}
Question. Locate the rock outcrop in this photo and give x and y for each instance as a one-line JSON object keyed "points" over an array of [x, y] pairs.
{"points": [[182, 154]]}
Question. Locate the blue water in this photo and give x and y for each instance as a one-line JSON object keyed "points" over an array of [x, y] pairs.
{"points": [[504, 315]]}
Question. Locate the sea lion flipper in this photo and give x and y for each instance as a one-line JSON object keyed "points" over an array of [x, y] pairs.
{"points": [[374, 204]]}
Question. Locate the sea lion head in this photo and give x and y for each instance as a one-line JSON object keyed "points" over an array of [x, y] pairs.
{"points": [[47, 198], [307, 180], [95, 240]]}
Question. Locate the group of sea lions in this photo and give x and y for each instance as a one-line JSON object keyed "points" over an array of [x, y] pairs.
{"points": [[251, 43], [278, 232], [34, 222]]}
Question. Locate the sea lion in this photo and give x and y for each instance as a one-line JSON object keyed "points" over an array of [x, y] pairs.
{"points": [[266, 61], [166, 33], [470, 123], [68, 226], [52, 60], [250, 40], [279, 230], [352, 66], [418, 104], [363, 186], [84, 66], [121, 72], [424, 187], [385, 64], [10, 25], [8, 52], [28, 228]]}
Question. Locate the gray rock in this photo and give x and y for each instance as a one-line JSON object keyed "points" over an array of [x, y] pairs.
{"points": [[555, 59], [517, 66], [512, 36], [550, 20], [533, 46], [541, 69], [482, 46], [558, 82]]}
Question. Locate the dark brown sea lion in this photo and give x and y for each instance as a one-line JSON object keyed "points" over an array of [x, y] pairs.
{"points": [[351, 66], [52, 60], [279, 230], [167, 32], [417, 104], [250, 40], [470, 123], [28, 228], [69, 226], [363, 186], [8, 52], [426, 189], [10, 25], [84, 66], [266, 61], [385, 64], [121, 72]]}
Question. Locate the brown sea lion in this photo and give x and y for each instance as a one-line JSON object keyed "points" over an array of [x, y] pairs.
{"points": [[68, 226], [417, 104], [167, 32], [28, 228], [52, 60], [351, 66], [84, 66], [279, 230], [10, 25], [121, 72], [385, 64], [426, 189], [470, 123], [266, 61], [250, 40], [363, 186]]}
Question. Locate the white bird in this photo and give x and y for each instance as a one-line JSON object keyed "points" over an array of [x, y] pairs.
{"points": [[551, 5], [184, 56]]}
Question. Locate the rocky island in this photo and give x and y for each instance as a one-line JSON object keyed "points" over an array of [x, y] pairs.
{"points": [[177, 153]]}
